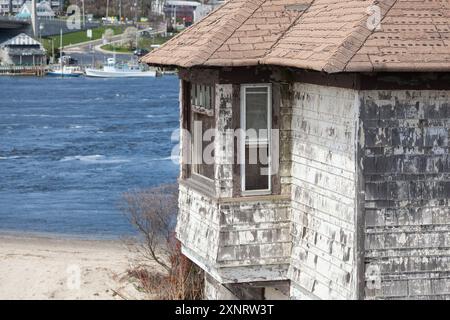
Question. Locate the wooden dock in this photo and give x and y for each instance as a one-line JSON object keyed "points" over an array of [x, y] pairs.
{"points": [[38, 71]]}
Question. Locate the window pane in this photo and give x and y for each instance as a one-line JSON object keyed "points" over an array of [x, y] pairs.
{"points": [[202, 96], [207, 97], [195, 95], [256, 110], [211, 97], [203, 162], [202, 152], [192, 94], [256, 167]]}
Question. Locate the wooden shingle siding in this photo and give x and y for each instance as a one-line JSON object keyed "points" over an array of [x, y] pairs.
{"points": [[407, 174], [323, 192]]}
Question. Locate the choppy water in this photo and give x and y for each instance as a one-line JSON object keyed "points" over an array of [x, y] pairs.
{"points": [[69, 148]]}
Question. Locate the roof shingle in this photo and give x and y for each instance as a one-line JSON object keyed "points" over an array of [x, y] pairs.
{"points": [[323, 35]]}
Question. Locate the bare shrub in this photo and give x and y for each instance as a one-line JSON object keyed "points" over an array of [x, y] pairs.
{"points": [[186, 279], [108, 35], [129, 37], [153, 213]]}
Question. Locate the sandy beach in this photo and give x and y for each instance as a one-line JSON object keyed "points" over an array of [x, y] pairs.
{"points": [[39, 268]]}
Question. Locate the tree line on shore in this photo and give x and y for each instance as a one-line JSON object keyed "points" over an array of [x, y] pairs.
{"points": [[129, 8]]}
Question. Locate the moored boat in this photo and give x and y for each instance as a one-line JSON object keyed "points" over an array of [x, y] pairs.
{"points": [[122, 70], [65, 67], [65, 71]]}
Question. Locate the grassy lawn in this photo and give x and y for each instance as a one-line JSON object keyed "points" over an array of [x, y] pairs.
{"points": [[119, 49], [97, 33], [78, 37], [144, 43]]}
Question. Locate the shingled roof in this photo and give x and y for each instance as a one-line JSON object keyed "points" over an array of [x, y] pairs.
{"points": [[323, 35]]}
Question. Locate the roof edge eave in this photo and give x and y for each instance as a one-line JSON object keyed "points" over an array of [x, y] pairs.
{"points": [[362, 68]]}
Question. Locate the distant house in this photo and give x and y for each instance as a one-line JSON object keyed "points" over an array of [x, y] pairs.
{"points": [[206, 8], [158, 6], [57, 5], [188, 12], [22, 50], [315, 148], [16, 5], [179, 11], [43, 10], [10, 7]]}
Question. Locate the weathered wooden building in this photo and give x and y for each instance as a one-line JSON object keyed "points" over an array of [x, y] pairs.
{"points": [[22, 50], [353, 200]]}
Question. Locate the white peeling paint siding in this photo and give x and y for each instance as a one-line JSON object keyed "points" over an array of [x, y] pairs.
{"points": [[255, 233], [323, 192], [198, 224], [224, 151], [365, 187]]}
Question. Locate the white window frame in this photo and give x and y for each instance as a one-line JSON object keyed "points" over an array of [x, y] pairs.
{"points": [[202, 98], [197, 150], [243, 141], [195, 153]]}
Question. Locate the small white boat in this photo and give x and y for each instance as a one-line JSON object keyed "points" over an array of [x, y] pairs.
{"points": [[65, 71], [123, 70], [64, 68]]}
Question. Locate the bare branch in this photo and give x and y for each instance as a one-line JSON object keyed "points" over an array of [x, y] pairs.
{"points": [[153, 213]]}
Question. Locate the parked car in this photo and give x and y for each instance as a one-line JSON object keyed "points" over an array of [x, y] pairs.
{"points": [[140, 52], [68, 60]]}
